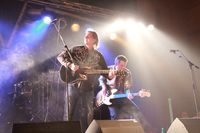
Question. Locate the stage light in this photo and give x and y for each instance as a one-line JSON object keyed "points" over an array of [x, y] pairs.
{"points": [[75, 27], [117, 25], [141, 25], [150, 27], [113, 36], [47, 19], [130, 23]]}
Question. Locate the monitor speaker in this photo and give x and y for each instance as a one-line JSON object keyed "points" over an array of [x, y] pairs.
{"points": [[47, 127], [114, 126], [188, 125]]}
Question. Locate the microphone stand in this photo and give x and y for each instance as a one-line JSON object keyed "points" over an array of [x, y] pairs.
{"points": [[68, 52], [63, 42], [194, 86]]}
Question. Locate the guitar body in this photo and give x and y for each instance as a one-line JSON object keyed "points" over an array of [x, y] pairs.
{"points": [[100, 99], [67, 75]]}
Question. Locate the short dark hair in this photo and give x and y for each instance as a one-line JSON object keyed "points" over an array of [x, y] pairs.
{"points": [[120, 58]]}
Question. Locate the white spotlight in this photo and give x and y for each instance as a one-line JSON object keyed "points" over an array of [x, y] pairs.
{"points": [[113, 36], [150, 27], [117, 25], [47, 19], [141, 25]]}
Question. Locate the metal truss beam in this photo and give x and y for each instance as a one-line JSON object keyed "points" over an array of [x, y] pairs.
{"points": [[77, 8]]}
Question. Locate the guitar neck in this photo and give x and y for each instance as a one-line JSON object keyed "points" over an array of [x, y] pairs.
{"points": [[96, 71], [119, 73], [115, 96]]}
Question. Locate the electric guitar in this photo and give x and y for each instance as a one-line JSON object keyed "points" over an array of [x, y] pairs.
{"points": [[100, 99], [67, 75]]}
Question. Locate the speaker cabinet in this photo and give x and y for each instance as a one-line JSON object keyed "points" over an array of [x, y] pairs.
{"points": [[48, 127], [115, 126], [185, 126]]}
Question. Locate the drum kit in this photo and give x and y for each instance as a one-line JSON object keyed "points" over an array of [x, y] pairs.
{"points": [[35, 96], [22, 96], [29, 97], [23, 88]]}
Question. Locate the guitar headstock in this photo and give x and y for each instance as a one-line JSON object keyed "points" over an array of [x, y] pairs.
{"points": [[144, 93]]}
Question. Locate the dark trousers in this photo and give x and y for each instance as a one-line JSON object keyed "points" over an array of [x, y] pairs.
{"points": [[79, 107]]}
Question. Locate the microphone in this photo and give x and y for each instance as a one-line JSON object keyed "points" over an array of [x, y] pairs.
{"points": [[54, 20], [58, 19], [173, 51], [62, 22]]}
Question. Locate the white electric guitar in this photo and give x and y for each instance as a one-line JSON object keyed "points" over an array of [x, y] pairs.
{"points": [[101, 99]]}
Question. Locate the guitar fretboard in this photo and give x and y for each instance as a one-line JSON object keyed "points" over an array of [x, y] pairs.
{"points": [[122, 73], [96, 71], [122, 95]]}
